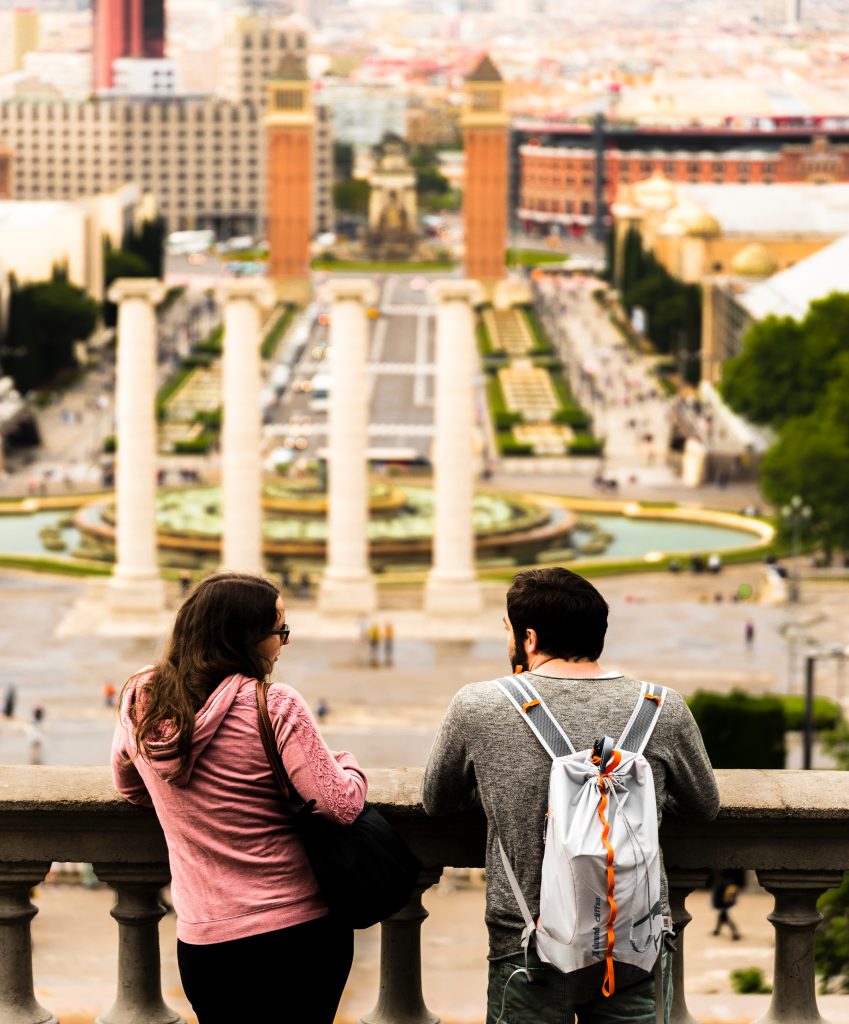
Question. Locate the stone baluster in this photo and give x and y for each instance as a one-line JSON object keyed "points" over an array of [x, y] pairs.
{"points": [[18, 1004], [452, 586], [681, 884], [347, 586], [136, 585], [138, 910], [795, 918], [241, 434], [400, 999]]}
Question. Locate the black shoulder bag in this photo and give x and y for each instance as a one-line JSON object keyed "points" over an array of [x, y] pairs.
{"points": [[365, 870]]}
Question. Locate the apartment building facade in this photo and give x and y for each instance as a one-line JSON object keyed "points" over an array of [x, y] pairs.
{"points": [[202, 157]]}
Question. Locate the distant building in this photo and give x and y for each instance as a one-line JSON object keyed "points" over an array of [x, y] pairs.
{"points": [[202, 157], [554, 166], [254, 47], [5, 173], [363, 114], [26, 31], [782, 12], [37, 236], [67, 72], [145, 76], [432, 121], [125, 28], [733, 303]]}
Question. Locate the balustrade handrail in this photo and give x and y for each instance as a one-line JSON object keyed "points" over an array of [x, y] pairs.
{"points": [[792, 827]]}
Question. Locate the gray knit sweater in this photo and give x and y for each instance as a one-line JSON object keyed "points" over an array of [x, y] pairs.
{"points": [[483, 744]]}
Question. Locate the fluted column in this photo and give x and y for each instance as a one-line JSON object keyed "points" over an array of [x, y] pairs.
{"points": [[18, 1004], [138, 911], [452, 585], [681, 884], [241, 429], [794, 999], [347, 585], [400, 999], [136, 585]]}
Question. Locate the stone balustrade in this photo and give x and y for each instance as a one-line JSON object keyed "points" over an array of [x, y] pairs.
{"points": [[792, 828]]}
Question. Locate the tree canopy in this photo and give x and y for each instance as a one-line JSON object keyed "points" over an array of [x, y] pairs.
{"points": [[793, 375], [45, 319]]}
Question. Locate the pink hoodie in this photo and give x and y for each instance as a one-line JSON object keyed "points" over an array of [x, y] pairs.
{"points": [[237, 866]]}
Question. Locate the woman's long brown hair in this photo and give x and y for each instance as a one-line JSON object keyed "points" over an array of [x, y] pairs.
{"points": [[215, 635]]}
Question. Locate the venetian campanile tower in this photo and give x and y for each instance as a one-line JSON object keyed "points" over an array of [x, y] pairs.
{"points": [[289, 125], [485, 133]]}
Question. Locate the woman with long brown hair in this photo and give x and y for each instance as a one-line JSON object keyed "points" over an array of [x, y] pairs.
{"points": [[255, 941]]}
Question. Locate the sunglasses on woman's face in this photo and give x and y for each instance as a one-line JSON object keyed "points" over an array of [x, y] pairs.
{"points": [[282, 632]]}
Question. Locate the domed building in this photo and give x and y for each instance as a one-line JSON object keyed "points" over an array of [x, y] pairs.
{"points": [[753, 260]]}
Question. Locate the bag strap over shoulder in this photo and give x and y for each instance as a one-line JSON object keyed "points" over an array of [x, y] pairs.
{"points": [[644, 718], [536, 714], [275, 762]]}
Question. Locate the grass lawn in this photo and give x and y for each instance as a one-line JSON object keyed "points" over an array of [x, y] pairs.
{"points": [[532, 257], [382, 267]]}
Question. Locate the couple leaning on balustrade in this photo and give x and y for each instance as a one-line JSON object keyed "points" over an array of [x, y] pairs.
{"points": [[275, 856]]}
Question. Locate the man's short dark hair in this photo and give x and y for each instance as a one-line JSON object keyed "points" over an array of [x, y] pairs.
{"points": [[566, 611]]}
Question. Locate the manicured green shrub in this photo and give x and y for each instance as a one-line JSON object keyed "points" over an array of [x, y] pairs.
{"points": [[741, 730], [504, 420], [573, 416], [585, 445], [507, 446], [746, 980]]}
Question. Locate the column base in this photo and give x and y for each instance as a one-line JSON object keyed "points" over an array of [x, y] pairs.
{"points": [[142, 594], [340, 596], [452, 596]]}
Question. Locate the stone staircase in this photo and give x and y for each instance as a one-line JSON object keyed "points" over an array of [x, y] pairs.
{"points": [[509, 331]]}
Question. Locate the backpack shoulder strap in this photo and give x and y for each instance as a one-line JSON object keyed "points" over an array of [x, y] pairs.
{"points": [[536, 714], [643, 719]]}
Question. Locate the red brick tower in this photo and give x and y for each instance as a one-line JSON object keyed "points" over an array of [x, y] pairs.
{"points": [[485, 132], [126, 28], [289, 125]]}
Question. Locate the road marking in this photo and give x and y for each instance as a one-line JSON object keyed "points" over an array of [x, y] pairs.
{"points": [[378, 343]]}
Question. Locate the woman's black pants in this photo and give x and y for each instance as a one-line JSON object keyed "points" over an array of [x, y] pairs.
{"points": [[292, 975]]}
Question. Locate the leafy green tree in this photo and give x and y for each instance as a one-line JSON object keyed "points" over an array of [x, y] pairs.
{"points": [[810, 458], [148, 243], [429, 181], [45, 319], [351, 195], [343, 160], [120, 263]]}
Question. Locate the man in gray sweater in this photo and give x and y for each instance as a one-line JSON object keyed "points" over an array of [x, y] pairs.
{"points": [[556, 623]]}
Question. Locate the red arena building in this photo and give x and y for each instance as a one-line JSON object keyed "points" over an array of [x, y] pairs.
{"points": [[126, 28], [557, 166]]}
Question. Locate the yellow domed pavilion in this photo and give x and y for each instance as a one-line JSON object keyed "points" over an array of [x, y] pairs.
{"points": [[753, 260]]}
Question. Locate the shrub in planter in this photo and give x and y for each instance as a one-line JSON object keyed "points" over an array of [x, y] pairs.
{"points": [[573, 416], [504, 419], [511, 448], [585, 445], [740, 730]]}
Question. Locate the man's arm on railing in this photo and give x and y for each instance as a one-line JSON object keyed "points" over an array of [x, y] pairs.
{"points": [[449, 782]]}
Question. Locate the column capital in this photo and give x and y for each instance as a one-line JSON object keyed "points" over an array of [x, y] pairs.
{"points": [[259, 291], [150, 289], [464, 290], [350, 289]]}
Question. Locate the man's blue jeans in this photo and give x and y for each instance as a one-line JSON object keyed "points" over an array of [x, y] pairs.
{"points": [[548, 999]]}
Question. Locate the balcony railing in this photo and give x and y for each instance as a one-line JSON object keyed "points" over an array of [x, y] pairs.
{"points": [[792, 828]]}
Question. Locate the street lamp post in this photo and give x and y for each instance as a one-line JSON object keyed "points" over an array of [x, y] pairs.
{"points": [[796, 513]]}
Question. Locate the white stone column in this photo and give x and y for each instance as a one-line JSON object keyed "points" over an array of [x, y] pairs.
{"points": [[136, 585], [241, 428], [452, 586], [347, 586]]}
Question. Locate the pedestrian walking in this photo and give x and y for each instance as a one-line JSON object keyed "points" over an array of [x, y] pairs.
{"points": [[9, 702], [255, 940], [388, 645], [749, 633], [109, 694], [723, 898], [374, 645], [304, 586], [322, 710], [185, 582]]}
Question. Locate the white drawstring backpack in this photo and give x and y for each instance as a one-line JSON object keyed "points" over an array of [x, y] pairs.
{"points": [[600, 917]]}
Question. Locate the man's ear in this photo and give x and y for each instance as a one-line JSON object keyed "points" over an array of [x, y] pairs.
{"points": [[531, 641]]}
